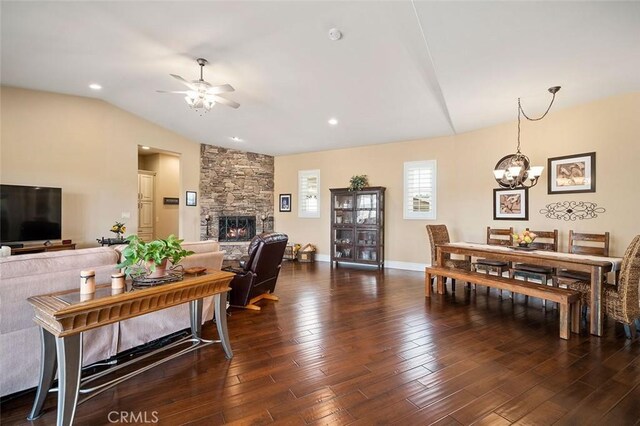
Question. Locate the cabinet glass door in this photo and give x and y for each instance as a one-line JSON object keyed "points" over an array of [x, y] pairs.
{"points": [[367, 244], [343, 217], [343, 210], [367, 209], [343, 243]]}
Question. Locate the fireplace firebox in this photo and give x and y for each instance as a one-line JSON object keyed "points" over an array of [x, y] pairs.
{"points": [[236, 228]]}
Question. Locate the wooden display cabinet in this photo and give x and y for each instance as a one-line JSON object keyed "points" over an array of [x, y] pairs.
{"points": [[357, 226]]}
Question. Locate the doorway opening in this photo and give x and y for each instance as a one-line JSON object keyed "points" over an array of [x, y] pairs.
{"points": [[158, 192]]}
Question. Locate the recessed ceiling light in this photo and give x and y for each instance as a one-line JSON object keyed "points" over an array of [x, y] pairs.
{"points": [[333, 121], [236, 139], [95, 86], [145, 147], [335, 34]]}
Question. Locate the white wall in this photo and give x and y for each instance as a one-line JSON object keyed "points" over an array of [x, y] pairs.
{"points": [[90, 149]]}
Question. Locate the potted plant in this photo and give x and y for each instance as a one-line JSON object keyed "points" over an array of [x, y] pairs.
{"points": [[150, 259], [358, 182]]}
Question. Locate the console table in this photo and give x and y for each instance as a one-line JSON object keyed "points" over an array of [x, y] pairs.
{"points": [[42, 248], [64, 316]]}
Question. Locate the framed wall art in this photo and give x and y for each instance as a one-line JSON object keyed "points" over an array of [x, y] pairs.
{"points": [[511, 204], [192, 198], [285, 203], [572, 173]]}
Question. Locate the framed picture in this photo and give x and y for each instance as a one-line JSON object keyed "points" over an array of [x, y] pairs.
{"points": [[192, 198], [285, 203], [511, 204], [572, 173]]}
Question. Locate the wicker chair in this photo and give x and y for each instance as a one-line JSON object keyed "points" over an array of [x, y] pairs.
{"points": [[620, 302], [438, 234]]}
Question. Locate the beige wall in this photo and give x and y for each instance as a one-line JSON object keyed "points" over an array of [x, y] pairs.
{"points": [[609, 127], [167, 168], [90, 149]]}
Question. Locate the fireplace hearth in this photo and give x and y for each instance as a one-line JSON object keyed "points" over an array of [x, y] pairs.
{"points": [[236, 228]]}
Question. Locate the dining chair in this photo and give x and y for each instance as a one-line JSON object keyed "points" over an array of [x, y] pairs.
{"points": [[438, 234], [621, 301], [547, 241], [581, 243], [495, 237]]}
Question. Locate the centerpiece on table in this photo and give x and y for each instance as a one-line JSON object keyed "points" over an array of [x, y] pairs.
{"points": [[148, 261], [524, 239]]}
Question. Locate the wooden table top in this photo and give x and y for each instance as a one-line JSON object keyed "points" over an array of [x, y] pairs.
{"points": [[568, 260], [68, 312]]}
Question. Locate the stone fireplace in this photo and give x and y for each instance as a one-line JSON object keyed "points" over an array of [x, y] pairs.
{"points": [[236, 228], [238, 185]]}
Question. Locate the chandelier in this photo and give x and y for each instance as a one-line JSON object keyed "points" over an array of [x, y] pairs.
{"points": [[514, 170]]}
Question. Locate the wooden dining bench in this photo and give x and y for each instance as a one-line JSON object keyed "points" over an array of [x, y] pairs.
{"points": [[568, 300]]}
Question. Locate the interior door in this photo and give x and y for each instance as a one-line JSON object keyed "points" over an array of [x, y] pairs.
{"points": [[146, 190]]}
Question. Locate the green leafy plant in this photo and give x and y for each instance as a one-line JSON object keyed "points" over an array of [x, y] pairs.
{"points": [[140, 256], [358, 182]]}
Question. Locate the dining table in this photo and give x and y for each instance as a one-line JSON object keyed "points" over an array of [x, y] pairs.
{"points": [[596, 266]]}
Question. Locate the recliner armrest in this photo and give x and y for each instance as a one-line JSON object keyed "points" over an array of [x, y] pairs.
{"points": [[237, 271]]}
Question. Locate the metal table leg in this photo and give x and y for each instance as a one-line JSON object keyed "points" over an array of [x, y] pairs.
{"points": [[195, 315], [69, 351], [48, 367], [220, 305]]}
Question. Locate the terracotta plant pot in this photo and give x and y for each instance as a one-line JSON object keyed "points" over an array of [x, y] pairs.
{"points": [[161, 269]]}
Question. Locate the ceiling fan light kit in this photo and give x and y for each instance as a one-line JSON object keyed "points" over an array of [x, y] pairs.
{"points": [[202, 96], [514, 170]]}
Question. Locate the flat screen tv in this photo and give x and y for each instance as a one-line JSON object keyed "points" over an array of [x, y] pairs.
{"points": [[30, 213]]}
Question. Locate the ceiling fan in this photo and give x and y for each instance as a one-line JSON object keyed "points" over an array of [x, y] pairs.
{"points": [[201, 94]]}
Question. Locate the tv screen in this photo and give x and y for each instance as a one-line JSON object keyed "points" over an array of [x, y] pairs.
{"points": [[30, 213]]}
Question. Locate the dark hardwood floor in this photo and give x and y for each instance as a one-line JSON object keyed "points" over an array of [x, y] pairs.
{"points": [[361, 347]]}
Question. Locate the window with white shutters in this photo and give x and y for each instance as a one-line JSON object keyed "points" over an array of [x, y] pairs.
{"points": [[309, 193], [420, 189]]}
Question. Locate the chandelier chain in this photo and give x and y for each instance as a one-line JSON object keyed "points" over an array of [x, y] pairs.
{"points": [[520, 110]]}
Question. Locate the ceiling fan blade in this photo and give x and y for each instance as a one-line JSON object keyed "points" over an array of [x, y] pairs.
{"points": [[173, 91], [226, 102], [183, 81], [214, 90]]}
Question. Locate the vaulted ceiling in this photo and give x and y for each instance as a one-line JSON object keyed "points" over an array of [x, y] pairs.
{"points": [[402, 70]]}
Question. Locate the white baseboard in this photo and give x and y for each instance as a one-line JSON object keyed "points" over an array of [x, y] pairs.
{"points": [[392, 264], [407, 266], [323, 258]]}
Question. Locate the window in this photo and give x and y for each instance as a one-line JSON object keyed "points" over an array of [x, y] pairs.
{"points": [[420, 189], [309, 193]]}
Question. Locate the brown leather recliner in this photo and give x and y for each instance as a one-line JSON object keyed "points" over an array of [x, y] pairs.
{"points": [[257, 278]]}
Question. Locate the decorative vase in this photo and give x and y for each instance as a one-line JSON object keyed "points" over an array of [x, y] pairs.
{"points": [[161, 269]]}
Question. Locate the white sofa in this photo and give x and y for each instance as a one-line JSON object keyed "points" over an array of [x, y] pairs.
{"points": [[33, 274]]}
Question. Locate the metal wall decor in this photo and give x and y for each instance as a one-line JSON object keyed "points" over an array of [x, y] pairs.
{"points": [[572, 210]]}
